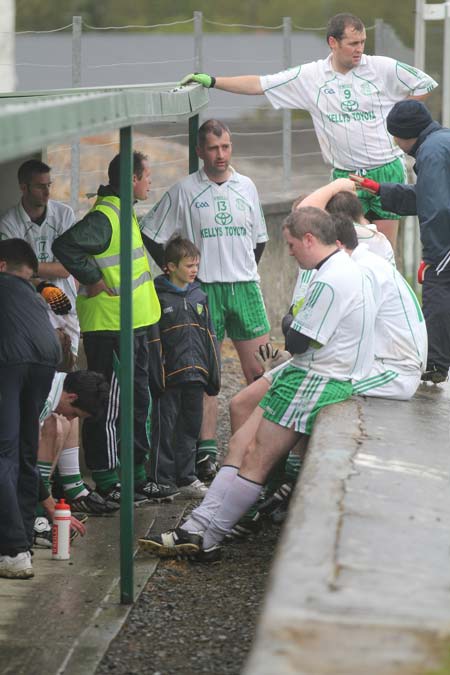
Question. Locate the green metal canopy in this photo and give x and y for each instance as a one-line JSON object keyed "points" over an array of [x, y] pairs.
{"points": [[31, 120]]}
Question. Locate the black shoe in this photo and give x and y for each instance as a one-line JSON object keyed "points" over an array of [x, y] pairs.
{"points": [[94, 504], [206, 468], [114, 493], [156, 492], [172, 543], [434, 375], [245, 526], [210, 555], [280, 496], [279, 515]]}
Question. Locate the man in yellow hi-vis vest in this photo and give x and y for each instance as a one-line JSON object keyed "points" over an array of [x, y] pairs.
{"points": [[91, 252]]}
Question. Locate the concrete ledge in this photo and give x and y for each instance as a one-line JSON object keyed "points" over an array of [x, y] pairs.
{"points": [[361, 579]]}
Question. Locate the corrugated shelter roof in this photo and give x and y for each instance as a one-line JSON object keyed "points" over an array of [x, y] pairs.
{"points": [[31, 120]]}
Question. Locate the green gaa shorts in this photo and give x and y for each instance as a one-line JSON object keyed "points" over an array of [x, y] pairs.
{"points": [[237, 309], [394, 172], [297, 395]]}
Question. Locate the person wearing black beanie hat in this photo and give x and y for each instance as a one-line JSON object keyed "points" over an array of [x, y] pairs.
{"points": [[416, 133], [408, 119]]}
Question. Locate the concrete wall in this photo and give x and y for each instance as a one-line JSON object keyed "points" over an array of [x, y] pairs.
{"points": [[278, 270]]}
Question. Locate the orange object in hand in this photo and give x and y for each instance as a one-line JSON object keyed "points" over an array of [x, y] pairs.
{"points": [[55, 297]]}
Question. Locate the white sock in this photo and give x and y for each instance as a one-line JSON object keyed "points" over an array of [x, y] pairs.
{"points": [[69, 471], [201, 516], [240, 496]]}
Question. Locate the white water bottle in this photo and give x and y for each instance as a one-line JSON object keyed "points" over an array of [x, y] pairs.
{"points": [[61, 531]]}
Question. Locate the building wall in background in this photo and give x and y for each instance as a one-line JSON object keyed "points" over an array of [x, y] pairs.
{"points": [[7, 42]]}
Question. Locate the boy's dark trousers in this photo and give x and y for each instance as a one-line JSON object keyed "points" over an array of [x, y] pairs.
{"points": [[176, 421]]}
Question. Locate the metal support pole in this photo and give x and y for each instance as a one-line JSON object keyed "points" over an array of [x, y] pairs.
{"points": [[287, 114], [76, 82], [419, 36], [126, 371], [446, 69], [193, 131], [198, 42], [379, 37]]}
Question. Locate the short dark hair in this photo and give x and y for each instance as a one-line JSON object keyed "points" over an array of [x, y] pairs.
{"points": [[348, 203], [178, 248], [114, 168], [92, 390], [298, 201], [17, 253], [338, 23], [29, 168], [313, 220], [215, 127], [345, 230]]}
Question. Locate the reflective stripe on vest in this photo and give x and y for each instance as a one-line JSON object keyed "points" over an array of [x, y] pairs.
{"points": [[102, 312]]}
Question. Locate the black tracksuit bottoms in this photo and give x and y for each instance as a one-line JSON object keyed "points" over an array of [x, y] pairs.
{"points": [[436, 310], [176, 421], [23, 392], [100, 436]]}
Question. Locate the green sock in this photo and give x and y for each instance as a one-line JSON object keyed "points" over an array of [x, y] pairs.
{"points": [[40, 511], [139, 474], [207, 447], [105, 479], [276, 477], [292, 469], [45, 469], [73, 486]]}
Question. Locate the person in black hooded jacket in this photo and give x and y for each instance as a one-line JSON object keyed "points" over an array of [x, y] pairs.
{"points": [[192, 366]]}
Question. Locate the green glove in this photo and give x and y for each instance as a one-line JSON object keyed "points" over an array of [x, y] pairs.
{"points": [[205, 80]]}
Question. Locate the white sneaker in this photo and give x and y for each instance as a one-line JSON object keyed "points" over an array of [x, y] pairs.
{"points": [[196, 490], [16, 567]]}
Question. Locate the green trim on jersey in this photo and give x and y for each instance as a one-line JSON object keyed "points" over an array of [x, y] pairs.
{"points": [[374, 381], [299, 68]]}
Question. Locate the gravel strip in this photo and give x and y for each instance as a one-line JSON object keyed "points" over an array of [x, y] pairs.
{"points": [[194, 618]]}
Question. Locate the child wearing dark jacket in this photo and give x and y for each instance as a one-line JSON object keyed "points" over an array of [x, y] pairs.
{"points": [[192, 366]]}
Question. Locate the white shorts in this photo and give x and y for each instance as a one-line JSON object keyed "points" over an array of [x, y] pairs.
{"points": [[387, 383]]}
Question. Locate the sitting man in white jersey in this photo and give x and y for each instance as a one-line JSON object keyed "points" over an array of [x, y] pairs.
{"points": [[400, 332], [336, 197], [39, 220], [348, 96], [219, 210], [72, 396], [332, 342]]}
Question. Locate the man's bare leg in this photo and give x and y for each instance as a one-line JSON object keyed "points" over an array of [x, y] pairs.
{"points": [[390, 230], [244, 402], [272, 442], [246, 352]]}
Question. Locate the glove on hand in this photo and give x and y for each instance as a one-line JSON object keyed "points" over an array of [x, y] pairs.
{"points": [[55, 297], [270, 357], [421, 271], [205, 80]]}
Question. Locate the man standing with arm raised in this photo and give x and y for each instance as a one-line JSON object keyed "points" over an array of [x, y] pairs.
{"points": [[348, 95]]}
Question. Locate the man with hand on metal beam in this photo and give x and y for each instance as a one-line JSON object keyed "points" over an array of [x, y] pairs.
{"points": [[90, 250], [348, 95]]}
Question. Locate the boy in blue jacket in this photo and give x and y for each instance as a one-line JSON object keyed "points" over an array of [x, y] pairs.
{"points": [[192, 366]]}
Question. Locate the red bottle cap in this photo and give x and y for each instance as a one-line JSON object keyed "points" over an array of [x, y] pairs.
{"points": [[62, 505]]}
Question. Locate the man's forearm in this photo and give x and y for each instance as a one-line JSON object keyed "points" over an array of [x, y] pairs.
{"points": [[53, 270], [242, 84]]}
